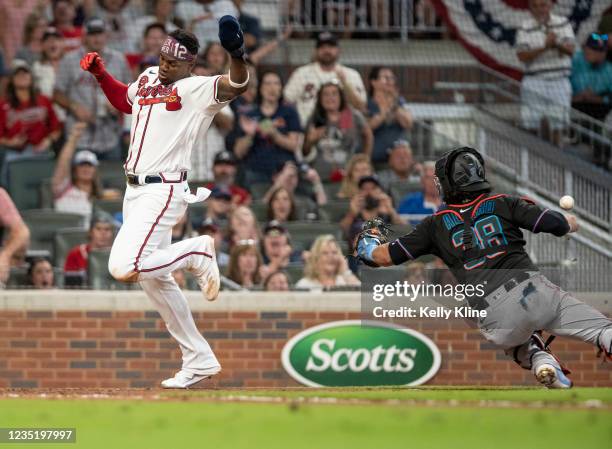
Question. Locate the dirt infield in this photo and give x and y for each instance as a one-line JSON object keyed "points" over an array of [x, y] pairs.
{"points": [[428, 397]]}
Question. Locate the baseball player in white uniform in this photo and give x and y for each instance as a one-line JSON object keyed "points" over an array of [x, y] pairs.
{"points": [[169, 108]]}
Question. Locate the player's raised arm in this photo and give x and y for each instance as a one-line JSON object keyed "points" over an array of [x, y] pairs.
{"points": [[115, 90], [232, 39]]}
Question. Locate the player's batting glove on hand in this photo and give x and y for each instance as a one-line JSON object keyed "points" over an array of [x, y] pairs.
{"points": [[231, 37], [94, 64]]}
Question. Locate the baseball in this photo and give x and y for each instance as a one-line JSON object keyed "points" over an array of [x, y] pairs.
{"points": [[566, 202]]}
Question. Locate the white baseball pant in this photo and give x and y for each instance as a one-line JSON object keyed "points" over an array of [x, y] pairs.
{"points": [[142, 253]]}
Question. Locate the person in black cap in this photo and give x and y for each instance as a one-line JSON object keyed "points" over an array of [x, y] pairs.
{"points": [[592, 86], [305, 81], [276, 249], [219, 203], [224, 173]]}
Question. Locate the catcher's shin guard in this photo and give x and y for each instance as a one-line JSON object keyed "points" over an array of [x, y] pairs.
{"points": [[605, 349], [523, 355]]}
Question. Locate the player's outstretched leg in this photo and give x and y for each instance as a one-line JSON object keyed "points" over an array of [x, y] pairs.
{"points": [[535, 355], [199, 361]]}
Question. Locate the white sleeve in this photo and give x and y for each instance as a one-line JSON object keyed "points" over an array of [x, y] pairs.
{"points": [[204, 94], [567, 34], [522, 40], [357, 84], [293, 88]]}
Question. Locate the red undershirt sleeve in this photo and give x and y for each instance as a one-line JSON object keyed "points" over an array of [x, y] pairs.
{"points": [[116, 92]]}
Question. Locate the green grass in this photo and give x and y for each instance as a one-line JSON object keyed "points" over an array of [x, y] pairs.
{"points": [[179, 424]]}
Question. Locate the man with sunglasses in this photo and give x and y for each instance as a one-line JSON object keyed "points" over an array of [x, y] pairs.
{"points": [[545, 45], [592, 87]]}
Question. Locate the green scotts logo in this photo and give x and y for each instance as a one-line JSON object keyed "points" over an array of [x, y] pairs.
{"points": [[355, 353]]}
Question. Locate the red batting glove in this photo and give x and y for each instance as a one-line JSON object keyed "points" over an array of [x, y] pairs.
{"points": [[94, 64]]}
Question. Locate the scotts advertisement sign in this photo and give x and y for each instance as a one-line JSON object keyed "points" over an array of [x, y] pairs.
{"points": [[360, 353]]}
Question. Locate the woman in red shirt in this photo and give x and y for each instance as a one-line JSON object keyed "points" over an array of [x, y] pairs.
{"points": [[28, 123]]}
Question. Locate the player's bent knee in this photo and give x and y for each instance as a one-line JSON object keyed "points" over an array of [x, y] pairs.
{"points": [[122, 271]]}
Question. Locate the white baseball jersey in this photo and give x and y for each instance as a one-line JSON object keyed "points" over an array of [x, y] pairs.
{"points": [[166, 120]]}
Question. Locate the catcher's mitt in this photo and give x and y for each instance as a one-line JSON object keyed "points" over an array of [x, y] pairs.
{"points": [[373, 232]]}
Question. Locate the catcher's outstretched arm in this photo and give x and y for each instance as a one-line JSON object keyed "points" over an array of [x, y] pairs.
{"points": [[381, 256]]}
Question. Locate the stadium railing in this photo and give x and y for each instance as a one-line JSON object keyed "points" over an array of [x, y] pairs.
{"points": [[353, 16]]}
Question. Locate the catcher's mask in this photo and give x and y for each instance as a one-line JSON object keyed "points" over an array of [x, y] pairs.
{"points": [[460, 171]]}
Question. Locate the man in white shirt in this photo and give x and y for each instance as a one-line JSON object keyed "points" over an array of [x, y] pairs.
{"points": [[545, 44], [304, 83]]}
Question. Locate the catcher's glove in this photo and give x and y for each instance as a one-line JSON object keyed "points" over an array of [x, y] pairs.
{"points": [[373, 234]]}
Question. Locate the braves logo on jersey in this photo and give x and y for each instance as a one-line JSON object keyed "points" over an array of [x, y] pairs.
{"points": [[158, 94]]}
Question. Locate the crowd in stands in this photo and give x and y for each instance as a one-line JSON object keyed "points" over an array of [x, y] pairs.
{"points": [[321, 148]]}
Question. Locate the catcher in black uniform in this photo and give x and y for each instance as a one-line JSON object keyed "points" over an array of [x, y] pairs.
{"points": [[478, 235]]}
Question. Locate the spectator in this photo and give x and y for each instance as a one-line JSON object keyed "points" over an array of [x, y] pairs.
{"points": [[219, 203], [182, 229], [251, 28], [277, 281], [148, 48], [243, 105], [545, 44], [388, 116], [28, 123], [244, 265], [120, 15], [77, 91], [201, 17], [45, 69], [402, 166], [76, 185], [215, 58], [358, 166], [211, 227], [17, 234], [12, 23], [101, 234], [335, 132], [64, 15], [592, 86], [40, 274], [224, 174], [326, 266], [163, 16], [309, 189], [33, 31], [424, 202], [270, 133], [242, 226], [306, 81], [212, 141], [281, 206], [369, 202], [276, 249]]}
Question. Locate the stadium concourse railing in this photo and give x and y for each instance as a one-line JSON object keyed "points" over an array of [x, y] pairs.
{"points": [[399, 17], [520, 163], [500, 96]]}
